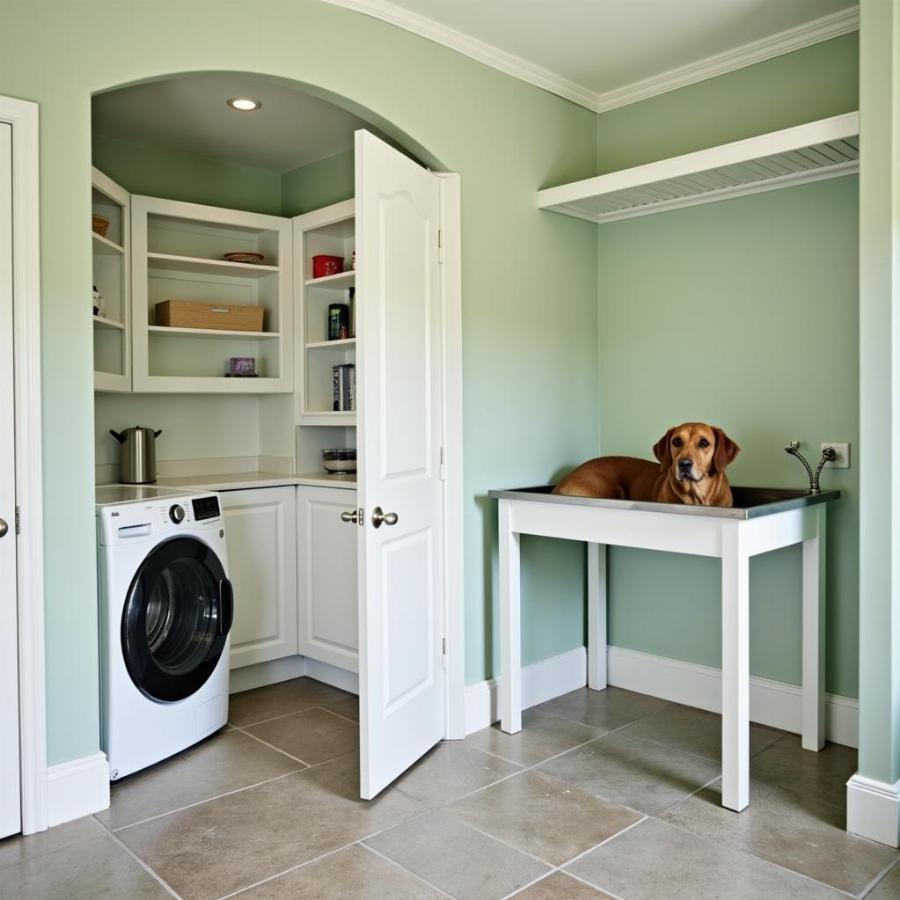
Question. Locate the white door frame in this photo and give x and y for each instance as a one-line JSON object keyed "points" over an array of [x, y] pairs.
{"points": [[22, 115], [454, 544]]}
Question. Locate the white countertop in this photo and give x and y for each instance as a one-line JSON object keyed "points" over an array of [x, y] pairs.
{"points": [[236, 481]]}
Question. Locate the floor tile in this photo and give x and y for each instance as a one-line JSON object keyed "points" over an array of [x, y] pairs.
{"points": [[225, 762], [18, 848], [457, 859], [889, 886], [348, 708], [230, 843], [541, 737], [452, 770], [98, 868], [608, 709], [823, 775], [560, 886], [250, 707], [645, 776], [656, 861], [799, 833], [353, 872], [695, 731], [313, 735], [543, 816]]}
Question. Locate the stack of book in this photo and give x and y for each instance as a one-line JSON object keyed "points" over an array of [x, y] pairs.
{"points": [[343, 387]]}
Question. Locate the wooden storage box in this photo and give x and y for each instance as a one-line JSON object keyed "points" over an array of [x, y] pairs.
{"points": [[216, 316]]}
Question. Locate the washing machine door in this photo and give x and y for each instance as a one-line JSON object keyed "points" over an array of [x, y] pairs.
{"points": [[176, 618]]}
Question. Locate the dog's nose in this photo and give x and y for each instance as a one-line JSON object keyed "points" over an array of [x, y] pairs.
{"points": [[685, 465]]}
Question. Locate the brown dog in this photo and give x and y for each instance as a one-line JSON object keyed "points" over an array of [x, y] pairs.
{"points": [[692, 460]]}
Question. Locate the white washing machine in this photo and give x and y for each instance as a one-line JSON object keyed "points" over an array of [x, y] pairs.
{"points": [[166, 607]]}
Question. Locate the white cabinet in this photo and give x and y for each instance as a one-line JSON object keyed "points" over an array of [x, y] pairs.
{"points": [[112, 281], [261, 533], [179, 252], [326, 565]]}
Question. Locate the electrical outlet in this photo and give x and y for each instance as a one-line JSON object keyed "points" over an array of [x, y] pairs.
{"points": [[843, 455]]}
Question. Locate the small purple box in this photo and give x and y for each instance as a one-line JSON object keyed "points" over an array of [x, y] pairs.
{"points": [[242, 365]]}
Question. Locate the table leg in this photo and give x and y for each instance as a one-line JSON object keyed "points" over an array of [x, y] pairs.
{"points": [[510, 623], [735, 667], [596, 631], [813, 718]]}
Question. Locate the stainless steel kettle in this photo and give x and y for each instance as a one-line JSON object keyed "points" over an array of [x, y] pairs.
{"points": [[137, 454]]}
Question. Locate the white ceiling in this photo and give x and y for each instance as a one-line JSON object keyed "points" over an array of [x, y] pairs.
{"points": [[189, 113], [603, 53]]}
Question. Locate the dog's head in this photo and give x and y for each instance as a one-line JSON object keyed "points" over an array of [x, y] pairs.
{"points": [[694, 451]]}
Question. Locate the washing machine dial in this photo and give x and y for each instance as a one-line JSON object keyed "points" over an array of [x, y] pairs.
{"points": [[176, 514]]}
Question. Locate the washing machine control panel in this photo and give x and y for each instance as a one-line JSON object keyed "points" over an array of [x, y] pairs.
{"points": [[157, 518], [176, 513]]}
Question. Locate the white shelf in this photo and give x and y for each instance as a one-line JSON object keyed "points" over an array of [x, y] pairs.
{"points": [[345, 343], [341, 419], [213, 333], [171, 263], [103, 246], [340, 281], [102, 322], [824, 149]]}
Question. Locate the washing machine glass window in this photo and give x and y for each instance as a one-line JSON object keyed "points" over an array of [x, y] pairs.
{"points": [[176, 619]]}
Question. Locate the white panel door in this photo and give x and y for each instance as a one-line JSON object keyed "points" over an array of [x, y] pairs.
{"points": [[326, 568], [260, 528], [399, 419], [10, 810]]}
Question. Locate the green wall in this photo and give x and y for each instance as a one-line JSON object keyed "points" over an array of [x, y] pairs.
{"points": [[318, 184], [527, 277], [743, 313], [175, 175]]}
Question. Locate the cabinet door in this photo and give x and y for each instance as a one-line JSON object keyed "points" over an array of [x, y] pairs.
{"points": [[329, 629], [261, 534]]}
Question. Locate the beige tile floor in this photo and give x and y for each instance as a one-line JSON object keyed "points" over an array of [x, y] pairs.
{"points": [[603, 794]]}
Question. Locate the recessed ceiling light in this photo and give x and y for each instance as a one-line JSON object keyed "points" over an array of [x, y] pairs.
{"points": [[244, 104]]}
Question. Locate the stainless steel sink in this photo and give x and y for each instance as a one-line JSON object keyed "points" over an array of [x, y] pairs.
{"points": [[749, 502]]}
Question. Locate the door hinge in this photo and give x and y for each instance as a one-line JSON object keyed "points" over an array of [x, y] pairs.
{"points": [[444, 652], [440, 245], [442, 469], [18, 520]]}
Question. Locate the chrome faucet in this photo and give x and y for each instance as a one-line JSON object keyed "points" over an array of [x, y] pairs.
{"points": [[829, 454]]}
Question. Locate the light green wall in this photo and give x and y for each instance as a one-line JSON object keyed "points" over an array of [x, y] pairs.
{"points": [[318, 184], [879, 237], [741, 313], [527, 277], [175, 175]]}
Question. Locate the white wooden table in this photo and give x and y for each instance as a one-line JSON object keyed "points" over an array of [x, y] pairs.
{"points": [[733, 535]]}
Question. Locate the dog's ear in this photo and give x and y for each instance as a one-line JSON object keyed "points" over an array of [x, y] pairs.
{"points": [[662, 451], [726, 450]]}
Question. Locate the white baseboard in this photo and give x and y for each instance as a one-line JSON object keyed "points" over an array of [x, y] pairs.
{"points": [[772, 703], [873, 809], [343, 679], [246, 678], [77, 788], [541, 681]]}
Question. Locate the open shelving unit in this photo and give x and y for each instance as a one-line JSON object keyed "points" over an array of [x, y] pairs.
{"points": [[827, 148], [179, 255], [111, 276]]}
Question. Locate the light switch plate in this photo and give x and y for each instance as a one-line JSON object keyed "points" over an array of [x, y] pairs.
{"points": [[843, 455]]}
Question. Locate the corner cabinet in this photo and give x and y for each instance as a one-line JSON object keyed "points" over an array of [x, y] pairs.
{"points": [[262, 536], [178, 253], [111, 306]]}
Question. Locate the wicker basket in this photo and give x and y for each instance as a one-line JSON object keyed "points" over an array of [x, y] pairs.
{"points": [[214, 316], [99, 224]]}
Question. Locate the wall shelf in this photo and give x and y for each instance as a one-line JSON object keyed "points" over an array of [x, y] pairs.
{"points": [[215, 333], [172, 263], [340, 281], [102, 322], [332, 345], [340, 419], [103, 246], [827, 148]]}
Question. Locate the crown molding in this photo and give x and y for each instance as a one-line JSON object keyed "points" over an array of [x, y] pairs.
{"points": [[814, 32], [473, 48]]}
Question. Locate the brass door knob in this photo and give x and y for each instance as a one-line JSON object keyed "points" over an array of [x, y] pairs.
{"points": [[379, 516]]}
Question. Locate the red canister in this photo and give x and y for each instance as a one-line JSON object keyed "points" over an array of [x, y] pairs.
{"points": [[327, 265]]}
